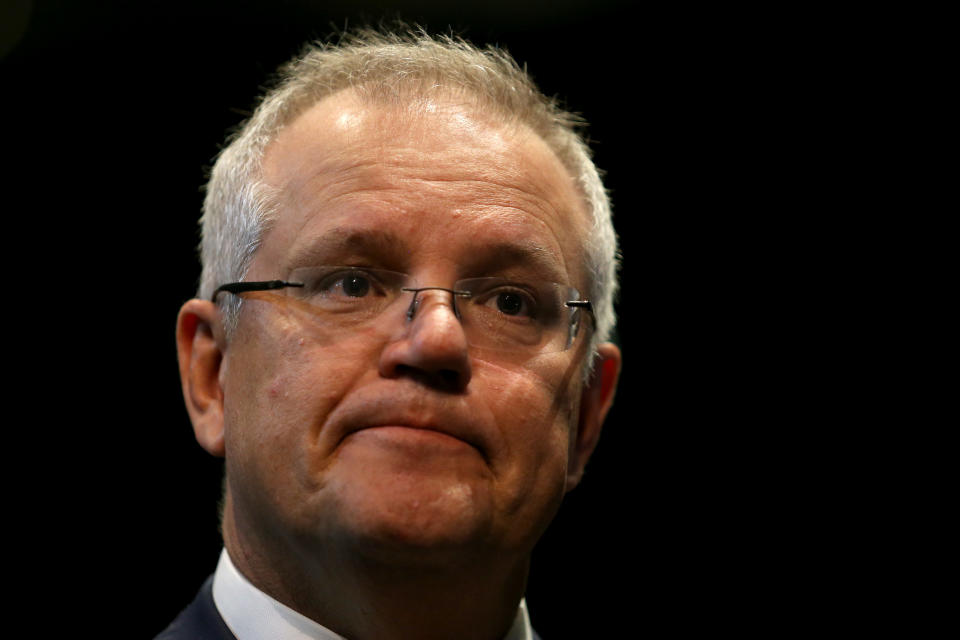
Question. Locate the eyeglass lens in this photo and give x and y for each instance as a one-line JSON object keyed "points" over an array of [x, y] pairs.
{"points": [[495, 313]]}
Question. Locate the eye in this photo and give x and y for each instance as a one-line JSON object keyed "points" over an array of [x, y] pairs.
{"points": [[510, 301], [355, 285], [352, 292], [346, 284]]}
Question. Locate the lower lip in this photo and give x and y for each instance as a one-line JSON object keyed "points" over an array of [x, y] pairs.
{"points": [[423, 439]]}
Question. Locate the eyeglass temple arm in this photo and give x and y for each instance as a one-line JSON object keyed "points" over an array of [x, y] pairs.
{"points": [[243, 287], [581, 304]]}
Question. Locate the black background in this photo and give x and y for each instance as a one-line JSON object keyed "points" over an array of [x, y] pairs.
{"points": [[114, 111]]}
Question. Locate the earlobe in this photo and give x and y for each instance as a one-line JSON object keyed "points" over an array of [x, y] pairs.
{"points": [[200, 354], [595, 402]]}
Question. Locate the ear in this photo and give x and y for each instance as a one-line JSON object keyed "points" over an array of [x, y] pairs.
{"points": [[595, 401], [200, 354]]}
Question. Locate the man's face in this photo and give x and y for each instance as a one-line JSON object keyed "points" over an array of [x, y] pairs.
{"points": [[399, 436]]}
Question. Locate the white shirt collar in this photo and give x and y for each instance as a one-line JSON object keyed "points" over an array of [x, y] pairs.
{"points": [[253, 615]]}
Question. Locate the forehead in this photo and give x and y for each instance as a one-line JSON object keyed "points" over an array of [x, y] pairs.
{"points": [[432, 173]]}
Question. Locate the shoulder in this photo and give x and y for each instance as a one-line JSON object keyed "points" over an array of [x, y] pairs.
{"points": [[200, 620]]}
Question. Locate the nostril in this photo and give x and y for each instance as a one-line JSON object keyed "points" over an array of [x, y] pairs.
{"points": [[449, 378], [441, 379]]}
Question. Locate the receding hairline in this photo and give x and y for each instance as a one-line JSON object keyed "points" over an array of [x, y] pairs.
{"points": [[567, 201], [415, 99]]}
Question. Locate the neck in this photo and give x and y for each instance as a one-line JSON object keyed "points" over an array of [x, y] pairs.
{"points": [[366, 596]]}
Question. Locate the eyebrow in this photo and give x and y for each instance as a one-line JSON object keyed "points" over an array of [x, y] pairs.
{"points": [[341, 243], [388, 250], [500, 258]]}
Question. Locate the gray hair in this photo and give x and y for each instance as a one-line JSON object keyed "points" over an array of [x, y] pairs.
{"points": [[239, 207]]}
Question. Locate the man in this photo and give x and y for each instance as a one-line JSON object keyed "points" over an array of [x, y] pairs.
{"points": [[398, 344]]}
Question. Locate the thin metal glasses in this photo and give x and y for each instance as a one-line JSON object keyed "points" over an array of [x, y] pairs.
{"points": [[495, 313]]}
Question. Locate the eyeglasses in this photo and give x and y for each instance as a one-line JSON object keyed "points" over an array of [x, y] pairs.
{"points": [[528, 317]]}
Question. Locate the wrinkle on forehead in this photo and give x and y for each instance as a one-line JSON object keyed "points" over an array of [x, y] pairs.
{"points": [[346, 153], [385, 248]]}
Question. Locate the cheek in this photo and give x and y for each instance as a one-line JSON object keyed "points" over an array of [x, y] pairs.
{"points": [[278, 392], [535, 422], [532, 403]]}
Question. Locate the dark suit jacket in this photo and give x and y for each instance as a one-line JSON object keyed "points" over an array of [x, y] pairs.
{"points": [[201, 620]]}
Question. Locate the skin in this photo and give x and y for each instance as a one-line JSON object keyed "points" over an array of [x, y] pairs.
{"points": [[391, 482]]}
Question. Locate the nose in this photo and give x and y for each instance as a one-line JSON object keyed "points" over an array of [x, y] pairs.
{"points": [[433, 349]]}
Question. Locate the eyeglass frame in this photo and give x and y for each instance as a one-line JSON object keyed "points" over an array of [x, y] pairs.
{"points": [[237, 288]]}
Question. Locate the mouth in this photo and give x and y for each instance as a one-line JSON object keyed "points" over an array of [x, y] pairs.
{"points": [[414, 436], [413, 447], [414, 439], [410, 419]]}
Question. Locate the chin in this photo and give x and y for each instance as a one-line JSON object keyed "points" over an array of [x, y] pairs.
{"points": [[417, 521]]}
